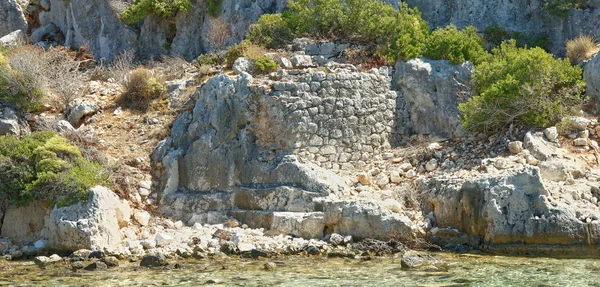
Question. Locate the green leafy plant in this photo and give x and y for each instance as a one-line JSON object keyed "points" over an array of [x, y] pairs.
{"points": [[398, 34], [213, 7], [520, 85], [163, 8], [271, 31], [45, 167], [455, 45], [264, 65], [561, 7], [495, 34]]}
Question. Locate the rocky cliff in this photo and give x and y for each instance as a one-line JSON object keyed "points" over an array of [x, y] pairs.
{"points": [[96, 23]]}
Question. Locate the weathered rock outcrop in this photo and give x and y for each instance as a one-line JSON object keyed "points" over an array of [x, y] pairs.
{"points": [[11, 123], [259, 151], [526, 16], [91, 23], [432, 91], [591, 76], [11, 17], [91, 225], [515, 211]]}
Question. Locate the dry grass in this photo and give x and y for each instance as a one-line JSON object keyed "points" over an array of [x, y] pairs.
{"points": [[219, 33], [141, 87], [581, 49]]}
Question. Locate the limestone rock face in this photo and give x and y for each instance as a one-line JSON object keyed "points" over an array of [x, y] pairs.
{"points": [[591, 75], [261, 154], [526, 16], [91, 23], [25, 224], [432, 91], [10, 123], [11, 17], [511, 208], [92, 225]]}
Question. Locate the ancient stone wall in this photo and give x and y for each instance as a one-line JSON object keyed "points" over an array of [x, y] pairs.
{"points": [[343, 118]]}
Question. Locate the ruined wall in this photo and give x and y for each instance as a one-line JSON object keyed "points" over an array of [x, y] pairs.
{"points": [[342, 118]]}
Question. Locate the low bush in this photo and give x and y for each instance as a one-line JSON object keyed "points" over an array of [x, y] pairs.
{"points": [[398, 34], [581, 49], [213, 7], [561, 7], [271, 31], [21, 78], [495, 34], [523, 86], [44, 167], [163, 8], [209, 60], [243, 49], [264, 66], [455, 45], [27, 73], [141, 87]]}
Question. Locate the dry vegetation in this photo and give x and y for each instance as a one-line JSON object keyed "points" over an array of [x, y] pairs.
{"points": [[581, 49]]}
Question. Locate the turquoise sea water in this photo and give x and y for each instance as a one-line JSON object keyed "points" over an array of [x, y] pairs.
{"points": [[457, 270]]}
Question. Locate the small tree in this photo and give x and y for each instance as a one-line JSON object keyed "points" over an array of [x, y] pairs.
{"points": [[455, 45], [519, 85]]}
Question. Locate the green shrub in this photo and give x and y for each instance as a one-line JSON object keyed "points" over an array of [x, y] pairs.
{"points": [[209, 60], [141, 88], [243, 49], [495, 34], [520, 85], [540, 40], [44, 167], [561, 7], [271, 31], [397, 33], [264, 66], [213, 7], [456, 46], [163, 8]]}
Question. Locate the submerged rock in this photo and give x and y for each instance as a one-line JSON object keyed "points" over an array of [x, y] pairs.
{"points": [[156, 260]]}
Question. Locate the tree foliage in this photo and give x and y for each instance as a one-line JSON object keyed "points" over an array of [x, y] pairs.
{"points": [[163, 8], [44, 167], [520, 85], [455, 45]]}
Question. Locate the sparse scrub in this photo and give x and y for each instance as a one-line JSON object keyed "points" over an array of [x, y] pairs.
{"points": [[244, 49], [219, 32], [561, 7], [581, 49], [209, 60], [523, 86], [163, 8], [29, 73], [44, 167], [141, 87], [455, 45]]}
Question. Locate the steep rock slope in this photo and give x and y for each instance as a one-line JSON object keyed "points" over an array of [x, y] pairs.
{"points": [[11, 17]]}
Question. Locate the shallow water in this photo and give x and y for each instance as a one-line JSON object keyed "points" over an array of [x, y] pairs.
{"points": [[459, 270]]}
